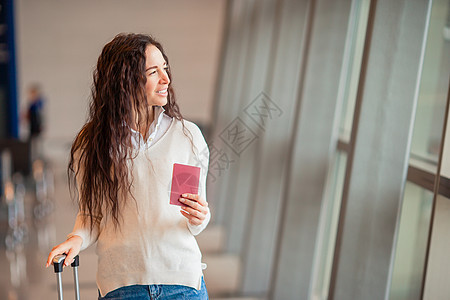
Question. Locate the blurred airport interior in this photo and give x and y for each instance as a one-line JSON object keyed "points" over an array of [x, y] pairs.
{"points": [[327, 123]]}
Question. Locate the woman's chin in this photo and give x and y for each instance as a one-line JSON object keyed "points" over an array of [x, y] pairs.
{"points": [[161, 102]]}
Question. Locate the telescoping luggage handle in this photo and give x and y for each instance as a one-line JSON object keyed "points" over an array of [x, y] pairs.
{"points": [[58, 262]]}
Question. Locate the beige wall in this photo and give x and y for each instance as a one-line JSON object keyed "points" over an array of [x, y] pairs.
{"points": [[59, 42]]}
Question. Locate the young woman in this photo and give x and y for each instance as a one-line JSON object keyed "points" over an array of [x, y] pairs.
{"points": [[122, 162]]}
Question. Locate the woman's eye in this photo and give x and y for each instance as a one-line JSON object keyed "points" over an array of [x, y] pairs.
{"points": [[151, 73]]}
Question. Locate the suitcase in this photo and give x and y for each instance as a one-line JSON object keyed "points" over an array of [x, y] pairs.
{"points": [[58, 262]]}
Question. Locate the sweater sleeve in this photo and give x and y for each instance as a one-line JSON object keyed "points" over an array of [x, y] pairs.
{"points": [[203, 159], [82, 229], [82, 221]]}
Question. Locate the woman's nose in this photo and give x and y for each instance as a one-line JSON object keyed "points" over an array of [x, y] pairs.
{"points": [[164, 78]]}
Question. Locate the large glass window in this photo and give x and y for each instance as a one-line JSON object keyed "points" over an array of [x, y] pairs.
{"points": [[411, 244], [432, 91], [438, 271], [416, 211], [348, 87], [352, 66], [328, 227]]}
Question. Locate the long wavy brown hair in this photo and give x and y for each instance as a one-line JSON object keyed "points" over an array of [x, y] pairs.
{"points": [[99, 153]]}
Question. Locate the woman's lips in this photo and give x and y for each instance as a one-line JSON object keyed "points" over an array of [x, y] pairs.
{"points": [[162, 92]]}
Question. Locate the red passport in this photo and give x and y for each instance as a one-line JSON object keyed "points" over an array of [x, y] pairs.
{"points": [[185, 179]]}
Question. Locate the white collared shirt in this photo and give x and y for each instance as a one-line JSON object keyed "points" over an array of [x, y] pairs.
{"points": [[159, 126]]}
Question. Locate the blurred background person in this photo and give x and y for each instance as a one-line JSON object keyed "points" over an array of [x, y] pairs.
{"points": [[33, 116], [34, 113]]}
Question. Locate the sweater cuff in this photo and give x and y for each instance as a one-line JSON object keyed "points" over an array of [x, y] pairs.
{"points": [[196, 229], [84, 235]]}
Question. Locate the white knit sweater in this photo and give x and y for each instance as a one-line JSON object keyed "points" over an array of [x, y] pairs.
{"points": [[156, 243]]}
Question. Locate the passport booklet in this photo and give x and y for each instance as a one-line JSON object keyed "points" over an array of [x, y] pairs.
{"points": [[185, 179]]}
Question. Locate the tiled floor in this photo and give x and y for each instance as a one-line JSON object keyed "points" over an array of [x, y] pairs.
{"points": [[23, 274]]}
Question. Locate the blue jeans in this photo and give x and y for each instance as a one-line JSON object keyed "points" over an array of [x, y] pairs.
{"points": [[157, 292]]}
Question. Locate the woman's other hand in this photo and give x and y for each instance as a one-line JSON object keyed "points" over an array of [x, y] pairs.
{"points": [[195, 208], [71, 247]]}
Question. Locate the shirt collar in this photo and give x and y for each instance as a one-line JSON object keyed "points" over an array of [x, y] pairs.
{"points": [[158, 114]]}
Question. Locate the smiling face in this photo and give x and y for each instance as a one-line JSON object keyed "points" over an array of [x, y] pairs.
{"points": [[156, 87]]}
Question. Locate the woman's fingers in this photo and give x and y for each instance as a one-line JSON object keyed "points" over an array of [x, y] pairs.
{"points": [[193, 220], [195, 208], [55, 251], [70, 256], [196, 198], [195, 213], [196, 202], [71, 247], [194, 205]]}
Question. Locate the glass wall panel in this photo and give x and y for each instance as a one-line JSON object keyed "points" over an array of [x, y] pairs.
{"points": [[414, 224], [352, 65], [411, 246], [433, 90], [438, 272], [328, 226], [445, 165], [329, 218]]}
